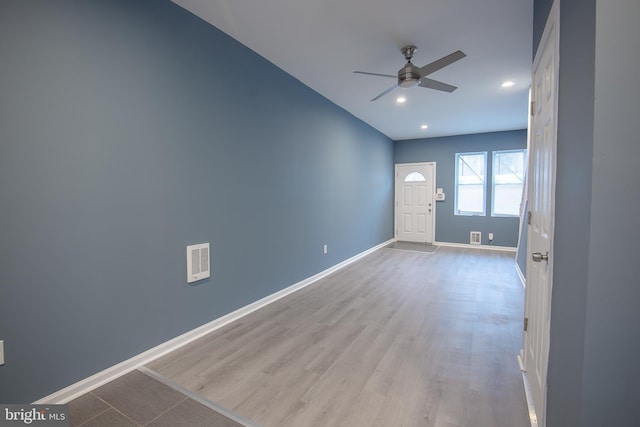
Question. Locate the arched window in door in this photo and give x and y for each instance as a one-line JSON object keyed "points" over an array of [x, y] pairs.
{"points": [[415, 177]]}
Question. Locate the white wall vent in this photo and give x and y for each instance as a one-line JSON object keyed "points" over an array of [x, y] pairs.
{"points": [[475, 238], [198, 266]]}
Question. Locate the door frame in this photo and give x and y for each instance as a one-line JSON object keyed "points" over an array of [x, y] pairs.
{"points": [[433, 198], [552, 29]]}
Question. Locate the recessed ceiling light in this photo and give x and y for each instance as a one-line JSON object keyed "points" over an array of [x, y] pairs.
{"points": [[508, 83], [401, 99], [424, 127]]}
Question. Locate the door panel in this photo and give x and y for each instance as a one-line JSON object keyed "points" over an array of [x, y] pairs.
{"points": [[407, 223], [408, 192], [422, 223], [422, 195]]}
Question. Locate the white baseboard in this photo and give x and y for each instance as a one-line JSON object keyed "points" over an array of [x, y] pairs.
{"points": [[523, 280], [468, 246], [86, 385], [533, 418]]}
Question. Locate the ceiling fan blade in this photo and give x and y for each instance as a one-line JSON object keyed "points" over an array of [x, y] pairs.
{"points": [[435, 84], [384, 93], [376, 74], [441, 63]]}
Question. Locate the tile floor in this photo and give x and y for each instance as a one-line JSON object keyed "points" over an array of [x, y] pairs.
{"points": [[136, 399]]}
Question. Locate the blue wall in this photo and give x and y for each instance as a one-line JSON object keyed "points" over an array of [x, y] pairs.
{"points": [[127, 132], [611, 374], [541, 10], [455, 228]]}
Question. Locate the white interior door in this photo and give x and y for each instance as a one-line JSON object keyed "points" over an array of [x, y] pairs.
{"points": [[542, 169], [415, 216]]}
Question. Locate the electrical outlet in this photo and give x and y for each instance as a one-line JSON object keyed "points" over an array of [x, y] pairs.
{"points": [[1, 352], [325, 249], [490, 236]]}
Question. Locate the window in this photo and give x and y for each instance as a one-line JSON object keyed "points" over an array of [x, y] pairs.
{"points": [[508, 181], [470, 191], [415, 177]]}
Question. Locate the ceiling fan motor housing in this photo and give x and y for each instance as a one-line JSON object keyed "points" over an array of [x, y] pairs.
{"points": [[409, 75]]}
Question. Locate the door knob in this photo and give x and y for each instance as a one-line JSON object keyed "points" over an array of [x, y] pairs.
{"points": [[539, 256]]}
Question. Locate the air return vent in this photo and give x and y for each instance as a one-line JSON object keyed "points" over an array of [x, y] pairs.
{"points": [[198, 262], [475, 238]]}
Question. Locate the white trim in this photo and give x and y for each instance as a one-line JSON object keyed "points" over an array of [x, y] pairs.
{"points": [[523, 280], [485, 247], [86, 385], [533, 418]]}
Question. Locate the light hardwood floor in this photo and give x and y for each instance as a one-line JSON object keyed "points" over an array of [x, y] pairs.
{"points": [[398, 338]]}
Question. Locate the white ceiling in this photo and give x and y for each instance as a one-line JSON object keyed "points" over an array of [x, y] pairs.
{"points": [[321, 43]]}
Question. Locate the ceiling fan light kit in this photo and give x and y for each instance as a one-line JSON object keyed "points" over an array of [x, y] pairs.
{"points": [[410, 75]]}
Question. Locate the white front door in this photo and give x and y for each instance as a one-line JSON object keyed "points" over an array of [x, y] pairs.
{"points": [[542, 171], [414, 202]]}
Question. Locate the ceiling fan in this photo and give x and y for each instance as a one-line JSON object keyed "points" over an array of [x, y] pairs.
{"points": [[410, 75]]}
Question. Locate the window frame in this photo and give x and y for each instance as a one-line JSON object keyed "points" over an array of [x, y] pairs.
{"points": [[494, 168], [456, 211]]}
